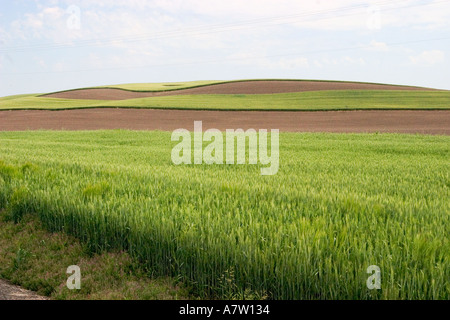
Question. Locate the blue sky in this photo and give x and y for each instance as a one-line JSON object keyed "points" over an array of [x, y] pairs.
{"points": [[54, 45]]}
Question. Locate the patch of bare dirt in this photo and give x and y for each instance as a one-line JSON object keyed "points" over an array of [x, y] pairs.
{"points": [[12, 292]]}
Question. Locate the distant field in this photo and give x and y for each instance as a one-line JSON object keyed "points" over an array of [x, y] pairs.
{"points": [[174, 86], [239, 95], [314, 100], [317, 100], [339, 204], [162, 86], [18, 97], [35, 102]]}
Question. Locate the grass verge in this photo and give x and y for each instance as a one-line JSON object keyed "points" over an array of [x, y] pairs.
{"points": [[37, 260]]}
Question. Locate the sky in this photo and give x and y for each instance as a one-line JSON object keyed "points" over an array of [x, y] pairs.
{"points": [[53, 45]]}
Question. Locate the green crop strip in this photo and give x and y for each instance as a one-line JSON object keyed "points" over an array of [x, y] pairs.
{"points": [[338, 204]]}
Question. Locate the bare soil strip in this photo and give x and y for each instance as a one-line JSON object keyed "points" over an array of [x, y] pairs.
{"points": [[11, 292], [398, 121], [242, 87]]}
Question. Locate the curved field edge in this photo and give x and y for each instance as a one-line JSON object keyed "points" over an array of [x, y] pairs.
{"points": [[151, 87], [303, 101], [161, 87], [339, 204]]}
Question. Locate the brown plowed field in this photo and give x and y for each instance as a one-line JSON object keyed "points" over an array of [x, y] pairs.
{"points": [[401, 121], [242, 87]]}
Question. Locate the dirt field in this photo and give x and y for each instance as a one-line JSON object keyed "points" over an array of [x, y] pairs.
{"points": [[401, 121], [244, 87]]}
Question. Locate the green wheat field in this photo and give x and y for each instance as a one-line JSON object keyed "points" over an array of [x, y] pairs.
{"points": [[339, 204]]}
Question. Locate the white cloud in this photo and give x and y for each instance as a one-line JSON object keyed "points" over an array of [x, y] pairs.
{"points": [[350, 60], [428, 58], [48, 23], [186, 19], [102, 19], [257, 57], [59, 66], [378, 46], [328, 61], [114, 60], [322, 15], [287, 63], [345, 60]]}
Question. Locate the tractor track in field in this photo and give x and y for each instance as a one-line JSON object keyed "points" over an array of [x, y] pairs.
{"points": [[386, 121]]}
